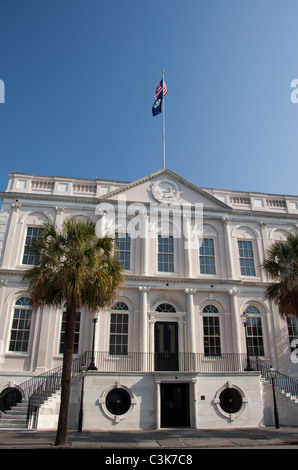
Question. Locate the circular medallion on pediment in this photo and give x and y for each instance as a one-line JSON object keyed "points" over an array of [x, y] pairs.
{"points": [[165, 190]]}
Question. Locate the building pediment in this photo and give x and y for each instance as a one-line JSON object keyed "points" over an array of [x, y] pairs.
{"points": [[165, 187]]}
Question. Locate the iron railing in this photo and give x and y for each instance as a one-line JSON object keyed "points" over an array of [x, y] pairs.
{"points": [[179, 362], [284, 383], [38, 389], [133, 362], [51, 384]]}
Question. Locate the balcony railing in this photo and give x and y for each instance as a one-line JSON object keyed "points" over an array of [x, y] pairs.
{"points": [[176, 362]]}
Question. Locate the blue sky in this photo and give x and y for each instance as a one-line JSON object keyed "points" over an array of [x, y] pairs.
{"points": [[80, 78]]}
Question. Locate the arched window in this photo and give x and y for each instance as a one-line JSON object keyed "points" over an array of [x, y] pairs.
{"points": [[166, 308], [254, 331], [119, 329], [211, 327], [21, 325]]}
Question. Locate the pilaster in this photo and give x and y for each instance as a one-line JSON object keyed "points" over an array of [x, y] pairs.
{"points": [[144, 319], [229, 255], [235, 320], [190, 319]]}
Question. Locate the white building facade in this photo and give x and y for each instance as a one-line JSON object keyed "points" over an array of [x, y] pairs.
{"points": [[172, 350]]}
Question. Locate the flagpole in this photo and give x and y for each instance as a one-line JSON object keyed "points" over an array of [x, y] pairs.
{"points": [[163, 122]]}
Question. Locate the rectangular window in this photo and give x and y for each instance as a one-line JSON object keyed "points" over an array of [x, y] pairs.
{"points": [[211, 336], [20, 331], [119, 334], [77, 333], [124, 249], [207, 256], [166, 254], [293, 331], [246, 257], [32, 234], [255, 337]]}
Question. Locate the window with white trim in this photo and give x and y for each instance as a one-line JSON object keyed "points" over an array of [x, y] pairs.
{"points": [[119, 329], [21, 325], [254, 331], [166, 308], [165, 253], [32, 234], [124, 249], [211, 328], [207, 256], [246, 258], [292, 323]]}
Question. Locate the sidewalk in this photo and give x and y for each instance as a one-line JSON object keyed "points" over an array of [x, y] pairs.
{"points": [[183, 439]]}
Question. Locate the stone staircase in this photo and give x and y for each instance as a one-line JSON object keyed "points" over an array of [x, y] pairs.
{"points": [[49, 412], [287, 406], [15, 418], [44, 394]]}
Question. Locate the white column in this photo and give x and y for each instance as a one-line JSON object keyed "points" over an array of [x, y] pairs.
{"points": [[157, 404], [278, 343], [151, 358], [59, 216], [265, 246], [183, 364], [10, 248], [193, 422], [105, 225], [42, 343], [143, 345], [190, 320], [187, 249], [235, 320], [151, 334], [144, 242], [229, 255]]}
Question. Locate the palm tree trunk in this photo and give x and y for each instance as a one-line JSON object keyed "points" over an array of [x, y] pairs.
{"points": [[61, 435]]}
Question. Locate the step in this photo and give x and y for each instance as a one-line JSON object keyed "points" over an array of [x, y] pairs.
{"points": [[13, 421], [21, 405], [13, 424], [16, 411], [15, 418]]}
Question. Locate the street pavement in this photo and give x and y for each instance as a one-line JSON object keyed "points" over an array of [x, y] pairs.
{"points": [[183, 440]]}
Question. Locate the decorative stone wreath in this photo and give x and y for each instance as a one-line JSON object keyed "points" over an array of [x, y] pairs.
{"points": [[165, 190]]}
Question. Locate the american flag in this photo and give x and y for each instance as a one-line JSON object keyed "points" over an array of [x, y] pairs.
{"points": [[158, 89]]}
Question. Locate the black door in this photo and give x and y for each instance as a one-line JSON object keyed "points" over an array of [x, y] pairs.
{"points": [[174, 405], [166, 346]]}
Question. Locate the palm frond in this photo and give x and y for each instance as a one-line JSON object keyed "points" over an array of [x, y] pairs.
{"points": [[281, 265], [74, 264]]}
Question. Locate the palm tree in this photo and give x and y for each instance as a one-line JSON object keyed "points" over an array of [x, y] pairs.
{"points": [[76, 267], [281, 265]]}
